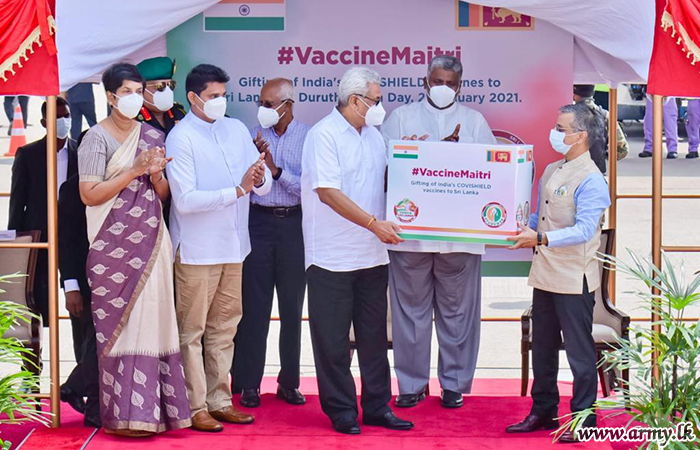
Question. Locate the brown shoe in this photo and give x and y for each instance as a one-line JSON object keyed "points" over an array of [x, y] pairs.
{"points": [[203, 421], [230, 414], [130, 433]]}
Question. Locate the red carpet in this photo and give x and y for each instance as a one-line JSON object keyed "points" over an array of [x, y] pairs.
{"points": [[478, 425], [70, 436]]}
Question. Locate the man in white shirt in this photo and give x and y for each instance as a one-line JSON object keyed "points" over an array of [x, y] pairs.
{"points": [[427, 277], [215, 166], [342, 196]]}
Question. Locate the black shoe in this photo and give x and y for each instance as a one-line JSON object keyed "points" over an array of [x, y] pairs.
{"points": [[409, 400], [346, 426], [291, 396], [92, 421], [451, 399], [250, 398], [672, 155], [388, 420], [533, 423], [74, 399], [645, 154], [692, 155]]}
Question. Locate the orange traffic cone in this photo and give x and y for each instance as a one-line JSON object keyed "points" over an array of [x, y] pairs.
{"points": [[18, 138]]}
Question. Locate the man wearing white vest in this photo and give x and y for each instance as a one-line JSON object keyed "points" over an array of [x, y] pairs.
{"points": [[565, 233], [431, 277]]}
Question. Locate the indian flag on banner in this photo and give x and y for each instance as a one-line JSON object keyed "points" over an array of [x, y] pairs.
{"points": [[406, 151], [251, 15]]}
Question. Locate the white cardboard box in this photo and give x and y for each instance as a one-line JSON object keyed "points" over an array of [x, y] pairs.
{"points": [[449, 191]]}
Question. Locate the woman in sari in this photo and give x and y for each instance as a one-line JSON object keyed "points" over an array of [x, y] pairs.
{"points": [[129, 267]]}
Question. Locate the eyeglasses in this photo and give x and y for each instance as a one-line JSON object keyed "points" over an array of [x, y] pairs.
{"points": [[564, 130], [161, 85], [272, 105], [375, 101]]}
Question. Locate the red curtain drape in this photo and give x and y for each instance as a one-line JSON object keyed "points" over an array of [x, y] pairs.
{"points": [[675, 61], [28, 62]]}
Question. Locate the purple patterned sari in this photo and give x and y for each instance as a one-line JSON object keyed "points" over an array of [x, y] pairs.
{"points": [[129, 268]]}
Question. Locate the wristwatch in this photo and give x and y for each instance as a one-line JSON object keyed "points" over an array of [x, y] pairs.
{"points": [[539, 238], [279, 174]]}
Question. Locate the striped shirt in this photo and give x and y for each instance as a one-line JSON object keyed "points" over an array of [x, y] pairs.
{"points": [[286, 154]]}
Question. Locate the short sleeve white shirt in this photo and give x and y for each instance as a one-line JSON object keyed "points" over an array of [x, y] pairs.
{"points": [[336, 156]]}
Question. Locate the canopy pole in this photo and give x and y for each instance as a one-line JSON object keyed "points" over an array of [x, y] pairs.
{"points": [[612, 180], [656, 211], [52, 229]]}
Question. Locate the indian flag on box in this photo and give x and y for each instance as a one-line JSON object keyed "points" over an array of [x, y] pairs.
{"points": [[405, 151], [251, 15]]}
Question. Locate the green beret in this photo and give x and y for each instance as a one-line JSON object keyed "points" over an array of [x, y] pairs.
{"points": [[160, 68]]}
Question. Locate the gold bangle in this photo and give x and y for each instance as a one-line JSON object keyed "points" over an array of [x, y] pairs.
{"points": [[369, 224]]}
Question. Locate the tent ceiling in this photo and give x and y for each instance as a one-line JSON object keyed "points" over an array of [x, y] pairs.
{"points": [[612, 39]]}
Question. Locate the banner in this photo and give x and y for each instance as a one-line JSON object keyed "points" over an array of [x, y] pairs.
{"points": [[447, 191], [517, 70]]}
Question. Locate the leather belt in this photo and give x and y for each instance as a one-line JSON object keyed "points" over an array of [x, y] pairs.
{"points": [[278, 211]]}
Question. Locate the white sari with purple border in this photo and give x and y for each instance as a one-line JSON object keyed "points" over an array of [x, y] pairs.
{"points": [[129, 268]]}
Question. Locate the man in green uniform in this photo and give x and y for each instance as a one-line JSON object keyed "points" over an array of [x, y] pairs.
{"points": [[159, 110]]}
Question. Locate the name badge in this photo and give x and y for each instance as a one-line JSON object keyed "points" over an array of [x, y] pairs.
{"points": [[562, 191]]}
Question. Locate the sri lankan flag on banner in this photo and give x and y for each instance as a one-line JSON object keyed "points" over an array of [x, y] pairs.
{"points": [[476, 17], [241, 15]]}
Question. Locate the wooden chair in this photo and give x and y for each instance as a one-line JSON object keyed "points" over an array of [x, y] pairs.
{"points": [[23, 260], [608, 322]]}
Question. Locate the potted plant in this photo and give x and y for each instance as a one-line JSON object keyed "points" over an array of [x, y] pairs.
{"points": [[675, 397], [15, 406]]}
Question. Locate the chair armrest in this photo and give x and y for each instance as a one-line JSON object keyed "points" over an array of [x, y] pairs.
{"points": [[525, 324], [619, 315]]}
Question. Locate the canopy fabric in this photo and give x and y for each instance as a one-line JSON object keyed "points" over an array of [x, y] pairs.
{"points": [[27, 49], [94, 34], [613, 40], [677, 45]]}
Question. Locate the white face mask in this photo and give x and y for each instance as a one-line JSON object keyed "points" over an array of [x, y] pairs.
{"points": [[556, 139], [163, 100], [63, 127], [269, 117], [442, 96], [129, 105], [215, 108], [375, 114]]}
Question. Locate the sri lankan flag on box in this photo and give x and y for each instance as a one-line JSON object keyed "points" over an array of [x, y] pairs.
{"points": [[251, 15]]}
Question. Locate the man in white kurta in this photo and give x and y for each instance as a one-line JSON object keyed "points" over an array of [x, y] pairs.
{"points": [[432, 277], [215, 166]]}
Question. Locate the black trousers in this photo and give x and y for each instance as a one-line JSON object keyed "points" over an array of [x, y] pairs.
{"points": [[276, 261], [84, 377], [570, 315], [337, 299]]}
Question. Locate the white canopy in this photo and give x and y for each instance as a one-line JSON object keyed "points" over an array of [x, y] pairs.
{"points": [[612, 39]]}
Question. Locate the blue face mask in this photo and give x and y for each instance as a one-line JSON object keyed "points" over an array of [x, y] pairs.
{"points": [[556, 139]]}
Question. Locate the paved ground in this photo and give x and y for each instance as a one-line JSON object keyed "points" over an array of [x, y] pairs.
{"points": [[502, 297]]}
